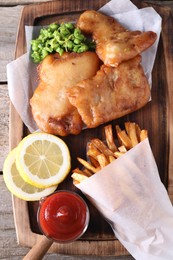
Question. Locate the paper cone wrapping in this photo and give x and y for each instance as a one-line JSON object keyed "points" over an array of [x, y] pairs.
{"points": [[22, 74], [131, 197], [128, 192]]}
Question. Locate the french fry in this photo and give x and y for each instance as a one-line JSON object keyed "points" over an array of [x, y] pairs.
{"points": [[118, 154], [127, 127], [102, 147], [143, 135], [111, 158], [102, 160], [87, 165], [87, 172], [132, 134], [138, 131], [77, 177], [122, 149], [110, 138], [94, 161], [101, 154], [118, 130], [125, 139], [92, 150], [83, 172], [75, 182]]}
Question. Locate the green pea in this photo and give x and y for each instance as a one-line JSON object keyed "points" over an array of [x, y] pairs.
{"points": [[53, 42], [59, 38], [49, 48], [69, 44], [60, 50], [44, 53], [44, 32], [78, 34], [34, 46], [49, 35], [77, 41], [53, 26], [40, 45], [64, 31], [61, 42], [77, 31], [69, 26], [36, 57], [83, 48], [75, 48], [41, 38], [80, 37], [56, 34], [55, 46]]}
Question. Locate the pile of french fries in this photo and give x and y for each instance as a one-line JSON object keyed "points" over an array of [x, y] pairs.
{"points": [[101, 153]]}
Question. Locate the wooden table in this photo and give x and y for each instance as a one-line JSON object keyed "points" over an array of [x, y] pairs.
{"points": [[9, 19]]}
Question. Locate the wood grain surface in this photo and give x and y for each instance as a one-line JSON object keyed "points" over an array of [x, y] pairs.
{"points": [[9, 17], [154, 117], [9, 248]]}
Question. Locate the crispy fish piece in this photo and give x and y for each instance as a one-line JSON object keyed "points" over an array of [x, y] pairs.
{"points": [[114, 43], [112, 93], [51, 108]]}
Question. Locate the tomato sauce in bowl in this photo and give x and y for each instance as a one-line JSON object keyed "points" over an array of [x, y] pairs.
{"points": [[63, 216]]}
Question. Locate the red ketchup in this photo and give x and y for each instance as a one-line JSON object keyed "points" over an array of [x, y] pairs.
{"points": [[63, 216]]}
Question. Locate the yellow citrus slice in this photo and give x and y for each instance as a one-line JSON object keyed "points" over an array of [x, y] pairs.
{"points": [[17, 185], [43, 159]]}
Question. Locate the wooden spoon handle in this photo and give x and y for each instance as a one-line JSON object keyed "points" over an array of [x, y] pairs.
{"points": [[38, 251]]}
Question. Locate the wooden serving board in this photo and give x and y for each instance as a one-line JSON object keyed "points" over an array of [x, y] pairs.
{"points": [[156, 116]]}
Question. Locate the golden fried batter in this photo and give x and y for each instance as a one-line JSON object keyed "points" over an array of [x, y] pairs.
{"points": [[114, 43], [112, 93], [51, 108]]}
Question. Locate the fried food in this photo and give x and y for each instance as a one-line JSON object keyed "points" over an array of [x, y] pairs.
{"points": [[114, 43], [109, 138], [51, 108], [102, 156], [112, 93]]}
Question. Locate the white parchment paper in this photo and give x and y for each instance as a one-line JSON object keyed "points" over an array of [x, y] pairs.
{"points": [[21, 73], [128, 192], [130, 195]]}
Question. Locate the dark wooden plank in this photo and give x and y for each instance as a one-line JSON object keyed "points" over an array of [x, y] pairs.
{"points": [[20, 2], [8, 243], [154, 117], [4, 125], [9, 19], [9, 248], [25, 2], [167, 42], [98, 229]]}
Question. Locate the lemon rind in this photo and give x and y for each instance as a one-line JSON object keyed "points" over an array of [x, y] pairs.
{"points": [[13, 188], [35, 180]]}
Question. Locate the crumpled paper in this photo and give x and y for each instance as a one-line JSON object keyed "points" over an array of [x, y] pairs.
{"points": [[22, 75], [131, 197], [128, 192]]}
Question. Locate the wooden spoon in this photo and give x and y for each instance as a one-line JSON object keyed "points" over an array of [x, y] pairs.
{"points": [[38, 251]]}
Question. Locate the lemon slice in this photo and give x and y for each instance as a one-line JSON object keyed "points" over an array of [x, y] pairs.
{"points": [[17, 185], [43, 159]]}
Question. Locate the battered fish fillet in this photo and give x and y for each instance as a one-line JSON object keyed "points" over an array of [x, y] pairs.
{"points": [[51, 108], [114, 43], [111, 93]]}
